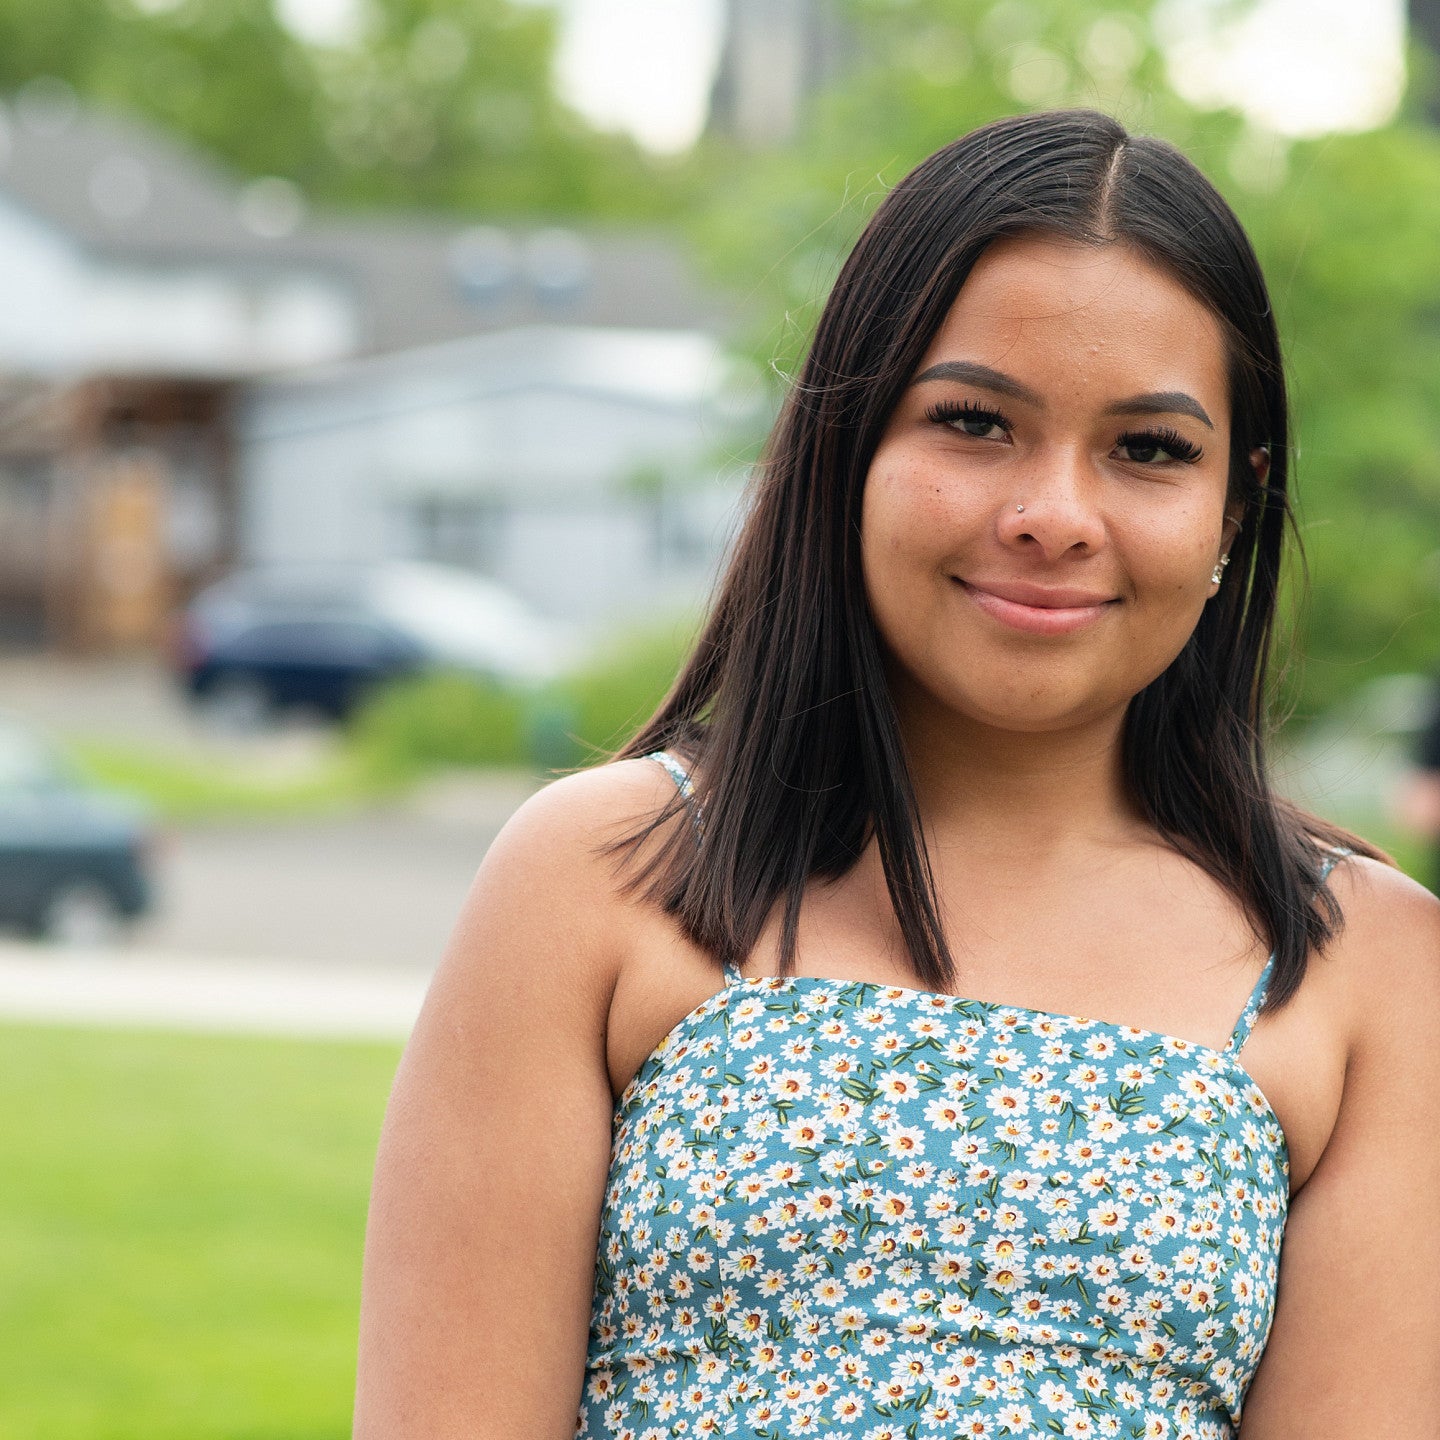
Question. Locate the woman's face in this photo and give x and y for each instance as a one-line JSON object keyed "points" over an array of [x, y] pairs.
{"points": [[1088, 387]]}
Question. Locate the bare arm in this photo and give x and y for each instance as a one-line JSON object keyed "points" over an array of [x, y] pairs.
{"points": [[485, 1212], [1354, 1352]]}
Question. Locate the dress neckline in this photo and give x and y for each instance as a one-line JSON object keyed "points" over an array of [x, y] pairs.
{"points": [[735, 982]]}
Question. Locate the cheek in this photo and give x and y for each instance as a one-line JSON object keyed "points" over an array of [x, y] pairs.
{"points": [[1170, 569], [1172, 538], [908, 512]]}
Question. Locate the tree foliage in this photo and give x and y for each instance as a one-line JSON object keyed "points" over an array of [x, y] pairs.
{"points": [[438, 104], [224, 73], [448, 104], [1351, 242], [1347, 227]]}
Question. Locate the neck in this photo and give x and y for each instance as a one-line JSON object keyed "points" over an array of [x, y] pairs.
{"points": [[1017, 797]]}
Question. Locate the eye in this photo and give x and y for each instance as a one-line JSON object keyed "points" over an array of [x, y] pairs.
{"points": [[969, 419], [1145, 447]]}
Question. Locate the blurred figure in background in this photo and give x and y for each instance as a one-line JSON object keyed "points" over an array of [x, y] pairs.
{"points": [[1417, 803]]}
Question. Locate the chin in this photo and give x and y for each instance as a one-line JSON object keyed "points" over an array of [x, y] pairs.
{"points": [[1038, 720], [1030, 713]]}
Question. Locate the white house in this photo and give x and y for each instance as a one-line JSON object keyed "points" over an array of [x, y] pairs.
{"points": [[125, 254], [584, 467], [195, 375]]}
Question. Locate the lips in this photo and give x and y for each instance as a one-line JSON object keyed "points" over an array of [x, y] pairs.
{"points": [[1038, 609]]}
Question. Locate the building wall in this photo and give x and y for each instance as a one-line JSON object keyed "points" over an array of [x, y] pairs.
{"points": [[40, 279], [592, 504], [775, 55]]}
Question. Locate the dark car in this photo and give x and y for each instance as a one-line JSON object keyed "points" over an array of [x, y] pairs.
{"points": [[312, 660], [75, 862], [324, 637]]}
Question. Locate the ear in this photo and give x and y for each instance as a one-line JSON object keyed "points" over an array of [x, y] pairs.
{"points": [[1260, 462], [1235, 512]]}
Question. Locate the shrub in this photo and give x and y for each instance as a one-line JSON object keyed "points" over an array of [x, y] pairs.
{"points": [[455, 719], [612, 697], [443, 718]]}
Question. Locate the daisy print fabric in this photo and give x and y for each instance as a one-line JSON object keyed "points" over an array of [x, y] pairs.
{"points": [[842, 1209]]}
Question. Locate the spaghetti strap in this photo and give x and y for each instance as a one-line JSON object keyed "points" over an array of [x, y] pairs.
{"points": [[1246, 1022], [683, 783]]}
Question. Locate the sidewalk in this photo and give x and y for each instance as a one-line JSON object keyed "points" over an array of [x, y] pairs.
{"points": [[125, 987]]}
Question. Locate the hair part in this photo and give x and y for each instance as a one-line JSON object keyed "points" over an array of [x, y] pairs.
{"points": [[784, 702]]}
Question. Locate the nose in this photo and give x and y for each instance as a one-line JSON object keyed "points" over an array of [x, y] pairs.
{"points": [[1054, 512]]}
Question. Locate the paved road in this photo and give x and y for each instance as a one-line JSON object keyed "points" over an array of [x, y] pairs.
{"points": [[376, 889], [129, 987], [325, 929], [307, 926], [129, 697]]}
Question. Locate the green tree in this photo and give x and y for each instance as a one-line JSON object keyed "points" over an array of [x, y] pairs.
{"points": [[1351, 243], [223, 73], [444, 105], [1347, 227], [448, 104], [923, 71]]}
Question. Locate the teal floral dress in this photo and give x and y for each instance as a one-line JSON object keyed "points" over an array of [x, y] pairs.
{"points": [[838, 1208]]}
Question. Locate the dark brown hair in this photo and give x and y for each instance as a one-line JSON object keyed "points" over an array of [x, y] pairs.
{"points": [[784, 702]]}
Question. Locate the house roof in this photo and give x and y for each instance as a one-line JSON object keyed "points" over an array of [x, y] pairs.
{"points": [[425, 281], [663, 368], [132, 195], [120, 188]]}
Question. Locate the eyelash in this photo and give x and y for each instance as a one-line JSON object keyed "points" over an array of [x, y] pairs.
{"points": [[1162, 437], [1158, 437], [949, 411]]}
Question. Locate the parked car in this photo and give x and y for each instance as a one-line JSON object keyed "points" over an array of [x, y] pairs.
{"points": [[273, 637], [75, 862]]}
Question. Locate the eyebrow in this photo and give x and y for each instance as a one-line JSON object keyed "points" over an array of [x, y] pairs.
{"points": [[1154, 402], [969, 373], [1162, 402]]}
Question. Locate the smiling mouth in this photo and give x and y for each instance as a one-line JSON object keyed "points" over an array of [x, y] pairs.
{"points": [[1036, 611]]}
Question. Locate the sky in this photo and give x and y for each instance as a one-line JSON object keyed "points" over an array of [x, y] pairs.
{"points": [[1297, 67]]}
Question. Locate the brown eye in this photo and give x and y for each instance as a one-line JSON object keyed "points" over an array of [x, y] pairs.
{"points": [[970, 419], [1143, 453], [1145, 447]]}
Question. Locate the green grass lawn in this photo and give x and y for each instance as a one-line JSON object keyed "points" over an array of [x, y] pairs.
{"points": [[187, 787], [181, 1223]]}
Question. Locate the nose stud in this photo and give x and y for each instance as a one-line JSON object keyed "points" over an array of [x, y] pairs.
{"points": [[1020, 508]]}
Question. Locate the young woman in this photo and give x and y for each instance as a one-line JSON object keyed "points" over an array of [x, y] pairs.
{"points": [[753, 1095]]}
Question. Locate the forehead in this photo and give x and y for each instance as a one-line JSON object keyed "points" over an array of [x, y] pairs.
{"points": [[1084, 321]]}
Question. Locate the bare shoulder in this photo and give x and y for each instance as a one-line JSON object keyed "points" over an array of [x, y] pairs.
{"points": [[568, 824], [489, 1184], [551, 871], [1387, 956]]}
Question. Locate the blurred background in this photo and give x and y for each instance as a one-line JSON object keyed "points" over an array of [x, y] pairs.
{"points": [[379, 380]]}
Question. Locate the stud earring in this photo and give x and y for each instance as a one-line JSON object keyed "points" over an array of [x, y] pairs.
{"points": [[1218, 573]]}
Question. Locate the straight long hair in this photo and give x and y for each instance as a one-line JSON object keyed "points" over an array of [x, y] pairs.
{"points": [[784, 705]]}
